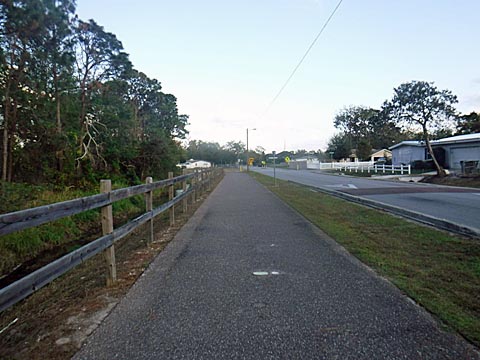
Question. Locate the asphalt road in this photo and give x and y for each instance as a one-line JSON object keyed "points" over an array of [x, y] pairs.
{"points": [[200, 298], [458, 205]]}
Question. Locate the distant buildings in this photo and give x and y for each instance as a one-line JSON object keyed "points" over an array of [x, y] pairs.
{"points": [[195, 164], [384, 154]]}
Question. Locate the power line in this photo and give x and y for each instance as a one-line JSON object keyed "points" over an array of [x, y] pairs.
{"points": [[304, 56]]}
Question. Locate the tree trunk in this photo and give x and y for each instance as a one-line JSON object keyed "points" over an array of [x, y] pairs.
{"points": [[13, 124], [58, 116], [440, 171], [5, 134], [59, 152], [10, 161], [82, 130]]}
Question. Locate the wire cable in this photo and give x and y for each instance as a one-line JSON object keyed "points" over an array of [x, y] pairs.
{"points": [[304, 56]]}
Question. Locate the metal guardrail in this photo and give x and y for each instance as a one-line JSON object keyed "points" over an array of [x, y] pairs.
{"points": [[25, 219]]}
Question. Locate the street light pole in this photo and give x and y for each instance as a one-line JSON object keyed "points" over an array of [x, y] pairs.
{"points": [[248, 167]]}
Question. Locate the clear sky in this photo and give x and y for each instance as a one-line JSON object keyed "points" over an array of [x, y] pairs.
{"points": [[226, 60]]}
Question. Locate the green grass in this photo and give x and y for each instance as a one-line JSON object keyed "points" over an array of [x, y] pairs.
{"points": [[24, 245], [438, 270]]}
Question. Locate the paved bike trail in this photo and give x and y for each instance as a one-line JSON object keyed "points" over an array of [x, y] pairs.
{"points": [[199, 299]]}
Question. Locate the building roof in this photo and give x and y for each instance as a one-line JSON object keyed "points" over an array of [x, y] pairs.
{"points": [[444, 141], [408, 143], [457, 139], [375, 151]]}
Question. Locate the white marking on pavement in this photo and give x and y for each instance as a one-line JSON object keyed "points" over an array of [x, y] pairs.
{"points": [[260, 273], [265, 273], [349, 186]]}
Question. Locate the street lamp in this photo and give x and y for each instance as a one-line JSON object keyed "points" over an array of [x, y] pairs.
{"points": [[247, 149]]}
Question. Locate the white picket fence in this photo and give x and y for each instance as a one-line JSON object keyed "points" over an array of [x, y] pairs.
{"points": [[364, 166]]}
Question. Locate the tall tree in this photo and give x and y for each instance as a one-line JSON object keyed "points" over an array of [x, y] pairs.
{"points": [[354, 121], [59, 56], [364, 150], [420, 105], [99, 58], [339, 146], [69, 96], [33, 46], [469, 124], [19, 34], [362, 124]]}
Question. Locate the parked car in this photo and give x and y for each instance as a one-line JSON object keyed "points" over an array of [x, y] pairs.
{"points": [[383, 161], [380, 161]]}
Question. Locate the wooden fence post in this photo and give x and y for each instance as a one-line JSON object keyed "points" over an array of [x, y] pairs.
{"points": [[107, 228], [184, 188], [149, 208], [170, 197], [207, 173], [199, 184], [205, 181], [194, 184]]}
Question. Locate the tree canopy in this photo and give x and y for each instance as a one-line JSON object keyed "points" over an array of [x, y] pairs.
{"points": [[367, 126], [420, 105], [227, 154], [469, 124], [73, 108]]}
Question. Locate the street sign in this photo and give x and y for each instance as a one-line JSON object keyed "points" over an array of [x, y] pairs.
{"points": [[272, 158], [287, 159]]}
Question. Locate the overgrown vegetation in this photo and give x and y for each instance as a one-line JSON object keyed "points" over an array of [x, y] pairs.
{"points": [[74, 110], [64, 234], [73, 107], [438, 270]]}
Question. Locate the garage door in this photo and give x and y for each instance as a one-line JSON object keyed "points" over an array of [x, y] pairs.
{"points": [[463, 154]]}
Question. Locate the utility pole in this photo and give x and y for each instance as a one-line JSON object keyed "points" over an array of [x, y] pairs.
{"points": [[274, 169], [248, 157]]}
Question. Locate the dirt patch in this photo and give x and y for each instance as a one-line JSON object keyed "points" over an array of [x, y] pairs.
{"points": [[54, 322], [463, 181]]}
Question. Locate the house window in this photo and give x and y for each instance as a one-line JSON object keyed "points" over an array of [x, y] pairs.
{"points": [[427, 155]]}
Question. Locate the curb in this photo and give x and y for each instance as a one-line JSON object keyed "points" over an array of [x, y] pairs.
{"points": [[408, 214]]}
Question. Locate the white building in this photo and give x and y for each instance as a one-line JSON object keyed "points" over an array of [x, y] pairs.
{"points": [[308, 162], [455, 151], [195, 164]]}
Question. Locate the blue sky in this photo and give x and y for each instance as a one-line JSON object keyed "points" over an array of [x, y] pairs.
{"points": [[226, 60]]}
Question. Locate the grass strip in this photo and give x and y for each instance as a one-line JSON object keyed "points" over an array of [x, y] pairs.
{"points": [[438, 270]]}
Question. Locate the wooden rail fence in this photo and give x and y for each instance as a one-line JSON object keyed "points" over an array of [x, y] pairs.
{"points": [[193, 184]]}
